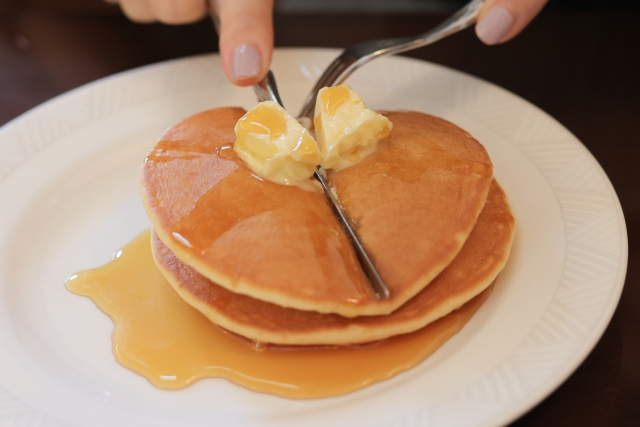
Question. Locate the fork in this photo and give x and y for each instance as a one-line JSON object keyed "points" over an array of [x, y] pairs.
{"points": [[360, 54]]}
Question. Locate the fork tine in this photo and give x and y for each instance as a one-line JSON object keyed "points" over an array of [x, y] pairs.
{"points": [[330, 76]]}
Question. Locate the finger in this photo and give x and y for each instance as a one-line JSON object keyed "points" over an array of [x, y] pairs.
{"points": [[246, 39], [502, 20], [137, 10], [178, 11]]}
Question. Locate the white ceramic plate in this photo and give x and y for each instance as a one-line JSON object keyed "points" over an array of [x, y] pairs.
{"points": [[69, 197]]}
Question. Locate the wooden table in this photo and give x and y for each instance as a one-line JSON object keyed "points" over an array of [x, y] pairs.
{"points": [[580, 67]]}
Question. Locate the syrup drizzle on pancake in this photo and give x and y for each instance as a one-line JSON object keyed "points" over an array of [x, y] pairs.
{"points": [[162, 338], [206, 228]]}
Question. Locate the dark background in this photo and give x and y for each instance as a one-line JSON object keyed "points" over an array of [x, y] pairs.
{"points": [[578, 61]]}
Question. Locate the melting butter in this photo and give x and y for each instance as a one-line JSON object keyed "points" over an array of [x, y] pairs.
{"points": [[275, 146], [162, 338], [346, 130]]}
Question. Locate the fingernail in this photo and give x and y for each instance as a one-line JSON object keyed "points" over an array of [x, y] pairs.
{"points": [[246, 62], [494, 26]]}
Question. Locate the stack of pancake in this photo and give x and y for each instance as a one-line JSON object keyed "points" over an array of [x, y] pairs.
{"points": [[272, 263]]}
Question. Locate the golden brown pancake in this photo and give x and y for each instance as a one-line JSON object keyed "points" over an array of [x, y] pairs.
{"points": [[414, 202], [472, 271]]}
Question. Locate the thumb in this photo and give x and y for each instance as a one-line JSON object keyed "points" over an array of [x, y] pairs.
{"points": [[246, 39], [502, 20]]}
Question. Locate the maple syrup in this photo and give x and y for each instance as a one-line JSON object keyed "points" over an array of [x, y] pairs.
{"points": [[162, 338]]}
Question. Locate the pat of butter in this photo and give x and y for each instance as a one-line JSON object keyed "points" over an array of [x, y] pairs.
{"points": [[275, 146], [346, 130]]}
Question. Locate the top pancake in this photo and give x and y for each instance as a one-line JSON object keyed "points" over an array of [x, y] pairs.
{"points": [[413, 202]]}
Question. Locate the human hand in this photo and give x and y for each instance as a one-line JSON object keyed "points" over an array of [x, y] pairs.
{"points": [[246, 39], [165, 11], [502, 20], [246, 30]]}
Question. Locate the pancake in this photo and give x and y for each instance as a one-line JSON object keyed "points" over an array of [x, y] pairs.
{"points": [[414, 202], [471, 272]]}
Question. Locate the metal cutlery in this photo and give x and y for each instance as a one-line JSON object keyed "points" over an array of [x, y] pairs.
{"points": [[358, 55], [267, 90]]}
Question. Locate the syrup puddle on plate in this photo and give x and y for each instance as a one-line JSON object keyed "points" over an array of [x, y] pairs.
{"points": [[164, 339]]}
